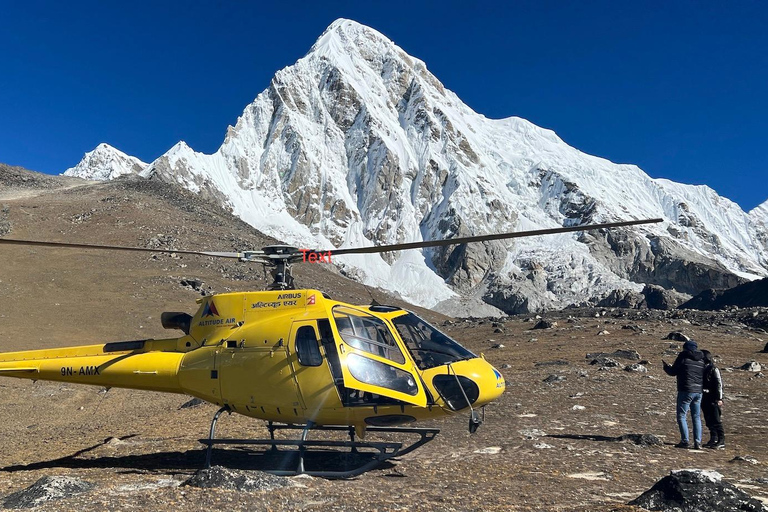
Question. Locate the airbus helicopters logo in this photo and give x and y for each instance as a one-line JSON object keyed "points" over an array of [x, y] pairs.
{"points": [[210, 310]]}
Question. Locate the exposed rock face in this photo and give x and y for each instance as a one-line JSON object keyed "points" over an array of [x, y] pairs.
{"points": [[5, 222], [358, 143], [657, 297], [696, 490], [623, 299], [753, 294], [48, 488]]}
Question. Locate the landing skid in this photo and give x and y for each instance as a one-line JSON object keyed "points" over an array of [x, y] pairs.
{"points": [[381, 451]]}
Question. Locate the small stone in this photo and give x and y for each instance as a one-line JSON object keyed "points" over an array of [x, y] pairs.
{"points": [[554, 378], [578, 408], [498, 330], [195, 402], [532, 433], [505, 366], [498, 345], [491, 450], [603, 333], [638, 368], [752, 366], [746, 458]]}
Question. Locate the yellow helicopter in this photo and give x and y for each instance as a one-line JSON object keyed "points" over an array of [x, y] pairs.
{"points": [[295, 358]]}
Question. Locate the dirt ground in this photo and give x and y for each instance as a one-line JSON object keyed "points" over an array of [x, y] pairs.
{"points": [[543, 446]]}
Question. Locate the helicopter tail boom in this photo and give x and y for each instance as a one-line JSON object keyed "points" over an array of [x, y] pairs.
{"points": [[98, 365]]}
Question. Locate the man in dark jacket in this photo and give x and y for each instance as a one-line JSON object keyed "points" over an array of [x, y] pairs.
{"points": [[689, 370]]}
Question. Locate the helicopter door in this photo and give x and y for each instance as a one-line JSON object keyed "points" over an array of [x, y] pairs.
{"points": [[310, 367], [371, 359]]}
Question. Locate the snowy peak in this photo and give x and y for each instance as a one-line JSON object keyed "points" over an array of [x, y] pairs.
{"points": [[105, 163], [760, 213], [358, 144]]}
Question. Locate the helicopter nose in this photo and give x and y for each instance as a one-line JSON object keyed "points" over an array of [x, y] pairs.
{"points": [[491, 383], [480, 383]]}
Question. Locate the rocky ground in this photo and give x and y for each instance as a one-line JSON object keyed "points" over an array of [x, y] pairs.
{"points": [[550, 442]]}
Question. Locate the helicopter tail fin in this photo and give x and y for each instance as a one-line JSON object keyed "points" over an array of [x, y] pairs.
{"points": [[122, 364]]}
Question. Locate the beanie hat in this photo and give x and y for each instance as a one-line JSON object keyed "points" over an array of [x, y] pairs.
{"points": [[690, 345]]}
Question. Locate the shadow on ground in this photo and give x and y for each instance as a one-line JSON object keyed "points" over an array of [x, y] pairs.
{"points": [[193, 460]]}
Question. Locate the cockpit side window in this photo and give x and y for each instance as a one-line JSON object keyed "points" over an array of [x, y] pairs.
{"points": [[367, 333], [428, 346]]}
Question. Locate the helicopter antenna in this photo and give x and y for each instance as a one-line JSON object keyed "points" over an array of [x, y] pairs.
{"points": [[374, 302]]}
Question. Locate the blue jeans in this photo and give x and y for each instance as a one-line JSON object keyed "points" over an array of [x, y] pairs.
{"points": [[685, 401]]}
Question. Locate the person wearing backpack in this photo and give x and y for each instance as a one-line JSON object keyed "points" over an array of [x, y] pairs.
{"points": [[712, 403]]}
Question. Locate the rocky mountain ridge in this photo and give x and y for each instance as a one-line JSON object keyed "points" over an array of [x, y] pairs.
{"points": [[358, 143]]}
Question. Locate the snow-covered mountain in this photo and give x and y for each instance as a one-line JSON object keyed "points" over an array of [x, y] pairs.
{"points": [[105, 163], [358, 143]]}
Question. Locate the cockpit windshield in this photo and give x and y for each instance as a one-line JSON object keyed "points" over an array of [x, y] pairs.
{"points": [[428, 346]]}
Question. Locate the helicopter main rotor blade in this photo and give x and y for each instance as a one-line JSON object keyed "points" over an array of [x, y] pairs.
{"points": [[37, 243], [483, 238]]}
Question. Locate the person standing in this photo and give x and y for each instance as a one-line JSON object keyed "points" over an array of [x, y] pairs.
{"points": [[712, 401], [689, 370]]}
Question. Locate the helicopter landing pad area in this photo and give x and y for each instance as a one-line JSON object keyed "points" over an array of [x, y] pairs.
{"points": [[543, 446], [553, 441]]}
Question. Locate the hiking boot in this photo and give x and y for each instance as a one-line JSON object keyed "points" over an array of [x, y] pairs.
{"points": [[719, 446], [696, 446], [682, 444], [711, 443]]}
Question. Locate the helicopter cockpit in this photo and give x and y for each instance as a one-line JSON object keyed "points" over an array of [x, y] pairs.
{"points": [[405, 351]]}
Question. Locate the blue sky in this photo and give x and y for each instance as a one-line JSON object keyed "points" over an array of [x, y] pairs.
{"points": [[678, 88]]}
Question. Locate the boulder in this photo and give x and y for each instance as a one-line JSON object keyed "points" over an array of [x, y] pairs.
{"points": [[544, 324], [641, 439], [677, 336], [48, 488], [237, 480], [605, 362], [632, 355], [696, 490]]}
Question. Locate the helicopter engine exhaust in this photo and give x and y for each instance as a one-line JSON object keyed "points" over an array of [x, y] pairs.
{"points": [[175, 320]]}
